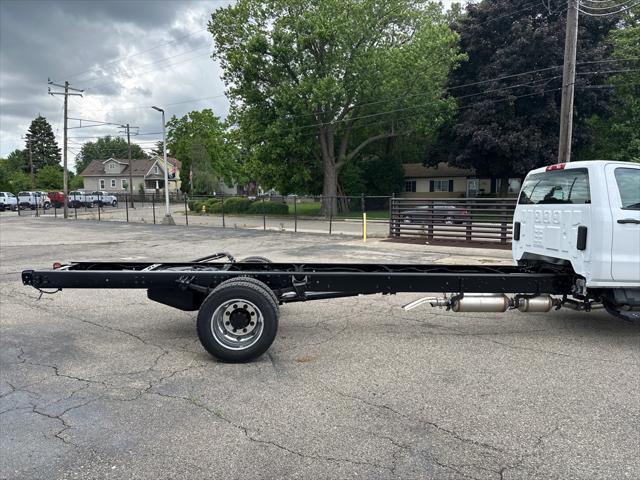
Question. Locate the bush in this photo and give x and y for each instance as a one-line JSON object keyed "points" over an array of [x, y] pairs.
{"points": [[237, 205], [269, 208]]}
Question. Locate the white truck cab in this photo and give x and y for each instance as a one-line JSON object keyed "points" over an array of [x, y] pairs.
{"points": [[584, 216]]}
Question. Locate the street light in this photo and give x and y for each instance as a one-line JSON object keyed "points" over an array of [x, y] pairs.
{"points": [[168, 219]]}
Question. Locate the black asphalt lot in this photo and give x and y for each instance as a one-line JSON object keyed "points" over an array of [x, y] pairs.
{"points": [[99, 384]]}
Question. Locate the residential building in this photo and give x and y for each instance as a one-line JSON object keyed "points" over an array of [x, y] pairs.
{"points": [[445, 181], [112, 175]]}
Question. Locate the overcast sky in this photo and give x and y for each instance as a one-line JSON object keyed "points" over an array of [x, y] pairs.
{"points": [[127, 55]]}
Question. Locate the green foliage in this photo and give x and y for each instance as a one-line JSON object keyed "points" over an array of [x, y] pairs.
{"points": [[104, 148], [12, 180], [18, 160], [618, 137], [200, 142], [500, 134], [268, 207], [313, 85], [239, 205], [44, 148], [373, 176], [76, 182], [49, 178]]}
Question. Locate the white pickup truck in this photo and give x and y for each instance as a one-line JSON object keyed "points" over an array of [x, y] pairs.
{"points": [[8, 201], [80, 198], [584, 217], [34, 199], [102, 198]]}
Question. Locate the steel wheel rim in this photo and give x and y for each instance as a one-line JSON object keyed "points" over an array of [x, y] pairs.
{"points": [[237, 324]]}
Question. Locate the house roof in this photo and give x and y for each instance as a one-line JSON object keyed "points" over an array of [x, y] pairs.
{"points": [[141, 167], [418, 170]]}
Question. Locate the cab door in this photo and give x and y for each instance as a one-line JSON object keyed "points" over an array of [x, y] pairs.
{"points": [[623, 184]]}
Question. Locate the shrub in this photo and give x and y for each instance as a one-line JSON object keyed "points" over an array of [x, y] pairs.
{"points": [[269, 208], [236, 205]]}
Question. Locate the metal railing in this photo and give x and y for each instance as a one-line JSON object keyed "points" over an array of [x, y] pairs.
{"points": [[468, 219], [432, 219]]}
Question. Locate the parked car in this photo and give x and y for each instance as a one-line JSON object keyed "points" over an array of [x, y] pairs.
{"points": [[8, 201], [436, 212], [34, 199], [57, 199], [80, 198], [103, 198]]}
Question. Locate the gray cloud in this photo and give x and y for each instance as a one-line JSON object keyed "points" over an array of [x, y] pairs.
{"points": [[127, 55]]}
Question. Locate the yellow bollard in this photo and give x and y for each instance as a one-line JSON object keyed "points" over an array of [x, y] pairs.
{"points": [[204, 210], [364, 227]]}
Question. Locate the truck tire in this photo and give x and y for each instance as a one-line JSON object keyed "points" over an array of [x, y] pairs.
{"points": [[256, 259], [114, 203], [238, 321]]}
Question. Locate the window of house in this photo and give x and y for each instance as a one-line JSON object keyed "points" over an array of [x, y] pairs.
{"points": [[156, 169], [441, 185], [123, 183], [113, 183], [102, 183], [409, 185]]}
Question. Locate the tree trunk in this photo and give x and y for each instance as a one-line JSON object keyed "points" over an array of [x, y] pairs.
{"points": [[504, 186], [330, 171], [330, 189]]}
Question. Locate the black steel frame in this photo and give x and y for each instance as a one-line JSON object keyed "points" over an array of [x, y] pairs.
{"points": [[293, 282]]}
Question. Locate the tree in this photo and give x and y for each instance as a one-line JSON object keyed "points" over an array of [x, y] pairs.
{"points": [[49, 178], [106, 147], [12, 180], [44, 148], [18, 160], [199, 141], [75, 182], [314, 84], [514, 128], [618, 137]]}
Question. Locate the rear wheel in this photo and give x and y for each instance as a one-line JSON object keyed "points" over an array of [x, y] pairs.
{"points": [[238, 321], [114, 203]]}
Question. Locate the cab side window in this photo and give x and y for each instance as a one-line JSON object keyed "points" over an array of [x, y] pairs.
{"points": [[628, 180]]}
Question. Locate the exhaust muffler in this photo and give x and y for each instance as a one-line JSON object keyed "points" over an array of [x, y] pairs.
{"points": [[489, 302]]}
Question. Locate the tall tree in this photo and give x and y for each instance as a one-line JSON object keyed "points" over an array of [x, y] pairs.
{"points": [[106, 147], [314, 84], [44, 148], [508, 127], [18, 160], [618, 137], [198, 140]]}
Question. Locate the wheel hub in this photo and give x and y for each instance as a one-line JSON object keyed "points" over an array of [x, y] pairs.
{"points": [[239, 318]]}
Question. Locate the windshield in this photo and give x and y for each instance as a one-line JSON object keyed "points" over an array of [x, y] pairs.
{"points": [[556, 186], [628, 180]]}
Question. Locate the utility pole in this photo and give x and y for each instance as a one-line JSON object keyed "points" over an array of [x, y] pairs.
{"points": [[127, 127], [33, 178], [568, 82], [65, 177], [168, 219]]}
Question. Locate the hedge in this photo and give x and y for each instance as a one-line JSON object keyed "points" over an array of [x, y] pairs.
{"points": [[235, 205]]}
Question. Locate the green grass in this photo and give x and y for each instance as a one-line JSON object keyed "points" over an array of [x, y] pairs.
{"points": [[312, 209]]}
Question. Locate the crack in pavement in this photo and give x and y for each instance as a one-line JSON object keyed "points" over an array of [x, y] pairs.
{"points": [[440, 428], [250, 437]]}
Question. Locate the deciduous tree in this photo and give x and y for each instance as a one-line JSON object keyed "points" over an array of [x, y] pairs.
{"points": [[314, 84], [106, 147]]}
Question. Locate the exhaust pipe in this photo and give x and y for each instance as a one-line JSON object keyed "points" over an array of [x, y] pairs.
{"points": [[488, 302]]}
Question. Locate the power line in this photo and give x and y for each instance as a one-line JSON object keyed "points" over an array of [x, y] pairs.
{"points": [[350, 119]]}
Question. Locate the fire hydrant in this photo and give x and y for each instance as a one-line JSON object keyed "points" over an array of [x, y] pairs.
{"points": [[204, 210]]}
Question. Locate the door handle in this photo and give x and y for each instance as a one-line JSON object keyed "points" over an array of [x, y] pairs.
{"points": [[629, 220]]}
